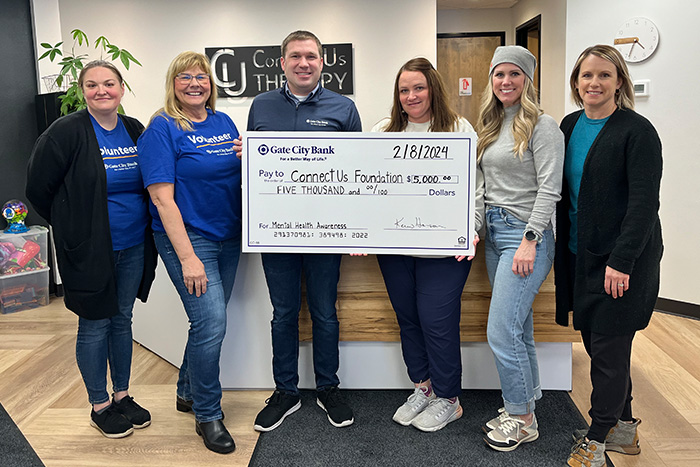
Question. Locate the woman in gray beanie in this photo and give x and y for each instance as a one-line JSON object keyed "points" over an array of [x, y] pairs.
{"points": [[520, 153]]}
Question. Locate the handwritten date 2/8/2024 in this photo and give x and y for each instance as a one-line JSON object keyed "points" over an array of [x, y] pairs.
{"points": [[420, 151]]}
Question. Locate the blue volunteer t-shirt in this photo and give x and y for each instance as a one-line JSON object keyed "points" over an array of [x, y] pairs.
{"points": [[126, 203], [582, 138], [203, 166]]}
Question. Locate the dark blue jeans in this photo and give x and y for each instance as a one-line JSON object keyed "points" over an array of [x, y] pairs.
{"points": [[426, 294], [283, 274], [110, 339], [199, 372]]}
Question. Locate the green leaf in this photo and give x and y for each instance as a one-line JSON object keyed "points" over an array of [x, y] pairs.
{"points": [[102, 41], [46, 45], [130, 57], [128, 87], [80, 36]]}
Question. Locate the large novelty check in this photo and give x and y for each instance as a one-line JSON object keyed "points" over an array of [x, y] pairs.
{"points": [[391, 193]]}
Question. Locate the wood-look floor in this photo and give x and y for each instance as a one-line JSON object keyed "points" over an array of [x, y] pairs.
{"points": [[41, 389]]}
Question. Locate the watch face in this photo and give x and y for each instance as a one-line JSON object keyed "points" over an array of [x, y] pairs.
{"points": [[637, 39]]}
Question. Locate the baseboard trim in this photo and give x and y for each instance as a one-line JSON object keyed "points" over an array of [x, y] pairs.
{"points": [[676, 307]]}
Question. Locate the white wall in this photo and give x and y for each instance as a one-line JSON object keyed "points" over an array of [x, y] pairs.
{"points": [[47, 28], [672, 108], [480, 20], [156, 31]]}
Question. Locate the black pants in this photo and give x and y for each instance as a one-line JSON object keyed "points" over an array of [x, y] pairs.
{"points": [[611, 399]]}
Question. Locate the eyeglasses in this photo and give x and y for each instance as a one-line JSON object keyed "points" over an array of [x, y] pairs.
{"points": [[186, 78]]}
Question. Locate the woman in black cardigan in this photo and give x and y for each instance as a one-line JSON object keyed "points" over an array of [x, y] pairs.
{"points": [[83, 178], [609, 242]]}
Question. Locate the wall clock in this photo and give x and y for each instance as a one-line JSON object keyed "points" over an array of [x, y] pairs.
{"points": [[637, 39]]}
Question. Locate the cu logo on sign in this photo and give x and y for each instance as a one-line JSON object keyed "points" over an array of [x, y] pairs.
{"points": [[263, 149]]}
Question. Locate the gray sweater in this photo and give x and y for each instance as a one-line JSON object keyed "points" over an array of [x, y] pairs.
{"points": [[528, 188]]}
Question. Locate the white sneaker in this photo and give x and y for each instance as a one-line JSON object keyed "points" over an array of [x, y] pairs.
{"points": [[415, 404], [494, 422], [511, 433], [439, 413]]}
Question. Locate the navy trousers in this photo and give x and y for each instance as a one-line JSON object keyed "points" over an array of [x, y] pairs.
{"points": [[426, 295]]}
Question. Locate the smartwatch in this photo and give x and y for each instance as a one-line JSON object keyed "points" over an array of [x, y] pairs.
{"points": [[531, 235]]}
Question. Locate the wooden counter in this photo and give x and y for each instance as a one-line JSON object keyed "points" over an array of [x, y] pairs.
{"points": [[365, 313]]}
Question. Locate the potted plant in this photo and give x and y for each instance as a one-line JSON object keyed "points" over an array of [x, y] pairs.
{"points": [[71, 64]]}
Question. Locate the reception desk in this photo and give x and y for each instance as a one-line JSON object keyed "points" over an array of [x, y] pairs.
{"points": [[370, 354], [365, 313]]}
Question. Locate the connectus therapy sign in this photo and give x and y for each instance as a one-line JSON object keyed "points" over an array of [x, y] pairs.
{"points": [[249, 71]]}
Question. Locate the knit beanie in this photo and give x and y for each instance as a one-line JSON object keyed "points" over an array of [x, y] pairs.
{"points": [[516, 55]]}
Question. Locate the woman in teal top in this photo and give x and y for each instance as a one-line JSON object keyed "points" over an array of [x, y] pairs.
{"points": [[609, 242]]}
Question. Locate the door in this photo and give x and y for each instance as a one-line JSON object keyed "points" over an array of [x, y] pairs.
{"points": [[466, 55], [528, 35]]}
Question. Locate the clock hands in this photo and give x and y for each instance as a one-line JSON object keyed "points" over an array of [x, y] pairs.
{"points": [[629, 40], [626, 40]]}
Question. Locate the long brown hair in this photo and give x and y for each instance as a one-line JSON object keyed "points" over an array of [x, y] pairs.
{"points": [[100, 64], [443, 118]]}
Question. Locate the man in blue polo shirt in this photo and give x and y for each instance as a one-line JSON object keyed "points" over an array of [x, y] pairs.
{"points": [[302, 104]]}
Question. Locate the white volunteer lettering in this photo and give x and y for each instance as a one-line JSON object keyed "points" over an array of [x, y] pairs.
{"points": [[120, 151], [212, 140]]}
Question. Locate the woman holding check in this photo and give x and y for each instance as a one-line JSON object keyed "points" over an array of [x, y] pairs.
{"points": [[426, 292]]}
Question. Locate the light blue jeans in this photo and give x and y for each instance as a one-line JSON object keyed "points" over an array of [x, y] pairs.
{"points": [[199, 372], [510, 329]]}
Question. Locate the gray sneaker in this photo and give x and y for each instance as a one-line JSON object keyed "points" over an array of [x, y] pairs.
{"points": [[415, 404], [511, 433], [494, 422], [437, 414], [587, 454], [622, 438]]}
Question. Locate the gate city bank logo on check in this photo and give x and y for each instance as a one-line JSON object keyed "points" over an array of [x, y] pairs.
{"points": [[263, 150]]}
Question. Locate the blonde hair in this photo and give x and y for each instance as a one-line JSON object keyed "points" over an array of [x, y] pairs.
{"points": [[442, 117], [173, 107], [492, 113], [624, 99]]}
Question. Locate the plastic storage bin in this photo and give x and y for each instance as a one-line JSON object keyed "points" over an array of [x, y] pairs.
{"points": [[24, 272], [24, 290]]}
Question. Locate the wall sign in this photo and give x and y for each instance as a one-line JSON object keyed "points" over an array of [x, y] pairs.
{"points": [[249, 71], [465, 86]]}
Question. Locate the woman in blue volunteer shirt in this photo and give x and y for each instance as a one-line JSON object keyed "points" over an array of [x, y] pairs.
{"points": [[194, 178], [84, 179]]}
